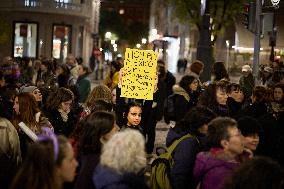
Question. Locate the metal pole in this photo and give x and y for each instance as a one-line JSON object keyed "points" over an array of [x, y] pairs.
{"points": [[227, 59], [273, 33], [257, 40]]}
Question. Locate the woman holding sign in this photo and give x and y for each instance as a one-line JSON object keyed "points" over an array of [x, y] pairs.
{"points": [[113, 77]]}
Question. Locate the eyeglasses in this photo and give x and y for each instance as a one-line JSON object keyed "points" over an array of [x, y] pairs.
{"points": [[239, 134]]}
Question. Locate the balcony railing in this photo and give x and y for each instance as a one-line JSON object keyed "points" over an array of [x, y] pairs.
{"points": [[67, 7]]}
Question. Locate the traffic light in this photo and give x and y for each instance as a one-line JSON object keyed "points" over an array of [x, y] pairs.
{"points": [[249, 16]]}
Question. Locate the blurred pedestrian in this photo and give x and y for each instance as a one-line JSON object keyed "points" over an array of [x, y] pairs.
{"points": [[219, 72], [83, 83]]}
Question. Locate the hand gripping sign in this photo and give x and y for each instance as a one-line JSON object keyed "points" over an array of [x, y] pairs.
{"points": [[139, 74]]}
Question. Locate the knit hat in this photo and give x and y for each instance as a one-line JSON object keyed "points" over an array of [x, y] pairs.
{"points": [[196, 67], [27, 89], [246, 68]]}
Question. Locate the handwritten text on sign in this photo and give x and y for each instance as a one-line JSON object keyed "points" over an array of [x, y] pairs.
{"points": [[139, 74]]}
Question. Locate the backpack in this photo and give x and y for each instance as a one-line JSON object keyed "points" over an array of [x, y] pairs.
{"points": [[169, 109], [162, 165]]}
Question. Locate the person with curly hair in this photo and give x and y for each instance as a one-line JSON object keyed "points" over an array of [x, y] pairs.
{"points": [[122, 162]]}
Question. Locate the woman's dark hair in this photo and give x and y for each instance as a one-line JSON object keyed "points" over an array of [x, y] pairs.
{"points": [[257, 173], [186, 81], [128, 106], [219, 71], [60, 95], [86, 69], [249, 126], [233, 87], [102, 105], [40, 167], [99, 105], [208, 98], [218, 131], [260, 94], [96, 126], [65, 69], [49, 65], [194, 119], [116, 65]]}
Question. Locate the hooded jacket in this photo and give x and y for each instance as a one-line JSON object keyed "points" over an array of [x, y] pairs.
{"points": [[106, 178], [211, 170], [181, 104], [184, 159]]}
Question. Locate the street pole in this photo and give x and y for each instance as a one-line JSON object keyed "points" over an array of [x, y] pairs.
{"points": [[273, 38], [204, 46], [228, 51], [258, 11]]}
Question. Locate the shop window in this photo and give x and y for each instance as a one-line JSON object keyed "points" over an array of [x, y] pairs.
{"points": [[61, 43], [25, 39]]}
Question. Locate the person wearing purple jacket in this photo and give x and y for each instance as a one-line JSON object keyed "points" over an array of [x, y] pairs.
{"points": [[226, 147], [194, 123]]}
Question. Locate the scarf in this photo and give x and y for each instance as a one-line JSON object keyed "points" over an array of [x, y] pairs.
{"points": [[63, 114]]}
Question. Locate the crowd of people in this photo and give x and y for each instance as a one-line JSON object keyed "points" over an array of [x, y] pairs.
{"points": [[55, 132]]}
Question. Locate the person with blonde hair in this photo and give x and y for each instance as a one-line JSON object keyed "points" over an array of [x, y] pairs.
{"points": [[101, 93], [122, 162]]}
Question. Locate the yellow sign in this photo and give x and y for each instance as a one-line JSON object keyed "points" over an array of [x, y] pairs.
{"points": [[139, 73]]}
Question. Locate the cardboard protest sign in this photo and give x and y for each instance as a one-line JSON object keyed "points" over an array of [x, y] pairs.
{"points": [[139, 73]]}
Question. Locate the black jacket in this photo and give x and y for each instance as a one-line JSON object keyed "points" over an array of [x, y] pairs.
{"points": [[61, 127]]}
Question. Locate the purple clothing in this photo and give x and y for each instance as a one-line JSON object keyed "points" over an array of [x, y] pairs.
{"points": [[212, 171]]}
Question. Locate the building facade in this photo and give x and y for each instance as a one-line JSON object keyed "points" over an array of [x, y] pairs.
{"points": [[234, 46], [48, 28]]}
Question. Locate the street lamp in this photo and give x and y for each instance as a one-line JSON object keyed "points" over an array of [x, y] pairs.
{"points": [[108, 35], [228, 51], [144, 40]]}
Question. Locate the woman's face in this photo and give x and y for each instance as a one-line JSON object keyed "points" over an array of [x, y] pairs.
{"points": [[43, 67], [203, 129], [193, 86], [16, 106], [66, 106], [81, 71], [59, 70], [67, 169], [237, 95], [113, 94], [251, 142], [221, 96], [278, 94], [134, 116], [37, 94]]}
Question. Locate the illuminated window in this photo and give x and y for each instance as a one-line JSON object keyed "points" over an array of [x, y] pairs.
{"points": [[25, 39], [61, 43]]}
